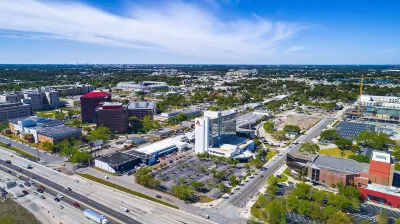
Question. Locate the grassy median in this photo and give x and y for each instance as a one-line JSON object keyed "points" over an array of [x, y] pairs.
{"points": [[19, 151], [129, 191], [12, 213]]}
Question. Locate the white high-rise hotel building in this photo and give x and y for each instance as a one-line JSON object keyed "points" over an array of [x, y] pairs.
{"points": [[215, 128]]}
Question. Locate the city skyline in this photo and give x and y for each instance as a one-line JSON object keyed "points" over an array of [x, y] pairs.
{"points": [[198, 32]]}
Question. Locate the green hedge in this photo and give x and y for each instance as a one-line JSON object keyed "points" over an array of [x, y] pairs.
{"points": [[129, 191], [19, 151]]}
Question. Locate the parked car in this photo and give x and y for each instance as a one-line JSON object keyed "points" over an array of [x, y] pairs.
{"points": [[68, 188], [42, 197], [20, 185], [56, 199], [35, 193], [24, 192], [61, 206]]}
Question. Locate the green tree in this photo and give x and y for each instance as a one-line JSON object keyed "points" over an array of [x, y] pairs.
{"points": [[68, 151], [344, 144], [135, 124], [373, 139], [309, 147], [360, 158], [279, 135], [147, 123], [292, 203], [327, 211], [304, 208], [276, 211], [397, 166], [197, 185], [247, 166], [100, 133], [47, 146], [396, 152], [350, 192], [397, 221], [269, 126], [81, 157], [339, 218], [291, 128], [382, 217], [302, 190], [232, 180], [222, 187], [272, 180], [74, 123], [316, 211], [329, 135], [4, 125]]}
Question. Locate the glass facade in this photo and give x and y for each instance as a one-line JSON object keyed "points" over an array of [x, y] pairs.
{"points": [[222, 128]]}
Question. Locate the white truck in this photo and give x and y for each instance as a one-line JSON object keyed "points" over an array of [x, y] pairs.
{"points": [[95, 217]]}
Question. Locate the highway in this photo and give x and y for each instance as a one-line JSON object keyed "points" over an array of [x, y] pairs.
{"points": [[45, 210], [141, 210], [241, 197], [71, 194], [43, 156]]}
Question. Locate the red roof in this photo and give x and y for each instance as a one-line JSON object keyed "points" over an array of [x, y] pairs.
{"points": [[96, 94]]}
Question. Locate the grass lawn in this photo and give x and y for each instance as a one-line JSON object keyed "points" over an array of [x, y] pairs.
{"points": [[283, 178], [205, 199], [124, 189], [335, 152], [13, 213], [271, 154]]}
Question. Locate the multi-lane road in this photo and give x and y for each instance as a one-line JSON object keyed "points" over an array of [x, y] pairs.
{"points": [[54, 187], [141, 210], [272, 166]]}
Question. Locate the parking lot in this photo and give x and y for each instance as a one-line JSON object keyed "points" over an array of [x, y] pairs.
{"points": [[190, 168]]}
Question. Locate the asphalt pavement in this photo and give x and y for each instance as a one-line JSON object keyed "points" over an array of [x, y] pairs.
{"points": [[79, 198]]}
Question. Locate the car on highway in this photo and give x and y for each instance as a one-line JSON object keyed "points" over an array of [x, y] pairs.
{"points": [[19, 175], [40, 190], [68, 188], [61, 206], [105, 177], [59, 196], [56, 199], [158, 196], [8, 161], [42, 197], [31, 182], [76, 181], [76, 204], [27, 184], [206, 216], [124, 209], [41, 187]]}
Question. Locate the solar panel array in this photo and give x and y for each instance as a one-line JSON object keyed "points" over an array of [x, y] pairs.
{"points": [[350, 130]]}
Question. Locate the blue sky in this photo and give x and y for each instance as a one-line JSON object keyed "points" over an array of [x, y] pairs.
{"points": [[200, 31]]}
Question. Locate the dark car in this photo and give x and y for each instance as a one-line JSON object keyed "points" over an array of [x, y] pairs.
{"points": [[8, 161], [27, 184], [20, 185], [158, 196], [40, 190], [76, 204], [56, 199], [24, 192]]}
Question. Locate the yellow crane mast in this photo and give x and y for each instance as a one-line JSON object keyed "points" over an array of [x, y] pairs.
{"points": [[361, 90]]}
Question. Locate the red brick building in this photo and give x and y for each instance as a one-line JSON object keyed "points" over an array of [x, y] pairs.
{"points": [[89, 103], [113, 115]]}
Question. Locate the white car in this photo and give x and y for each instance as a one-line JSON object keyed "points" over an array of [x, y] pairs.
{"points": [[61, 206], [59, 196], [35, 193], [19, 175], [67, 188], [124, 209], [105, 177]]}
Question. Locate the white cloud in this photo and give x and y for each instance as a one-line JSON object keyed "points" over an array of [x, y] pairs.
{"points": [[176, 27], [295, 49]]}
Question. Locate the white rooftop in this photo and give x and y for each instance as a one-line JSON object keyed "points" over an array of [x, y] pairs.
{"points": [[381, 157]]}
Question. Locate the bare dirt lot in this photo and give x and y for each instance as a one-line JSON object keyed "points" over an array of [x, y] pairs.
{"points": [[305, 122]]}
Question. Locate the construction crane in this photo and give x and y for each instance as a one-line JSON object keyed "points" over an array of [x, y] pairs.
{"points": [[361, 90]]}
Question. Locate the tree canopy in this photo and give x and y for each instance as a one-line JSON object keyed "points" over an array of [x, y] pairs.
{"points": [[344, 143], [373, 139], [309, 147], [329, 135], [291, 128], [269, 126]]}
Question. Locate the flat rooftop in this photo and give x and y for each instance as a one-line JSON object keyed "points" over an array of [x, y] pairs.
{"points": [[117, 159], [340, 164], [235, 141], [350, 130], [57, 130], [141, 105], [384, 189]]}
